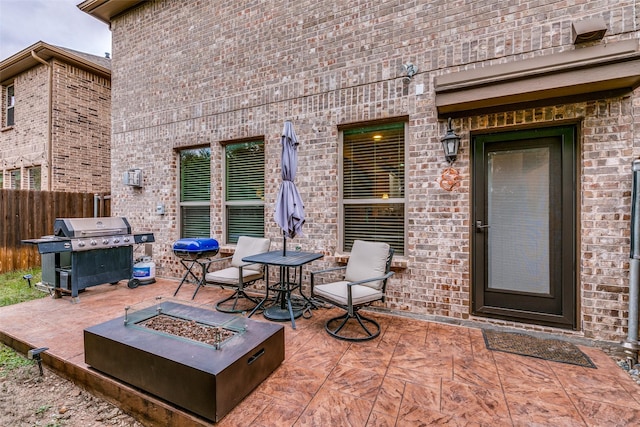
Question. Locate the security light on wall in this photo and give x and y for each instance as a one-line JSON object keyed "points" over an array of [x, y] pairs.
{"points": [[588, 30]]}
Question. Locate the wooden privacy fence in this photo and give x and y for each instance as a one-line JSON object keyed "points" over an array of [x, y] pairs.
{"points": [[27, 214]]}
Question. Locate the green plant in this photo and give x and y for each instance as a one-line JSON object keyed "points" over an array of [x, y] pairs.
{"points": [[42, 409], [15, 289], [10, 360]]}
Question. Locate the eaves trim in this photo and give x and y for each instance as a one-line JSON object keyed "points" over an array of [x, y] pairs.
{"points": [[24, 60]]}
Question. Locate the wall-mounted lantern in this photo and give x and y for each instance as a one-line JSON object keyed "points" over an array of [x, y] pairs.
{"points": [[450, 144]]}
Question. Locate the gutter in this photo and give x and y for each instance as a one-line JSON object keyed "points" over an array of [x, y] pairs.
{"points": [[631, 344]]}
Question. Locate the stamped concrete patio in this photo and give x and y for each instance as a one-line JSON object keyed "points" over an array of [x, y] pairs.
{"points": [[416, 373]]}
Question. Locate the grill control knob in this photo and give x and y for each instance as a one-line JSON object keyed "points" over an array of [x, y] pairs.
{"points": [[93, 242], [105, 241], [81, 243], [116, 240], [126, 240]]}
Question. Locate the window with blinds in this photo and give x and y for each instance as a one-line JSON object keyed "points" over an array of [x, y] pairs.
{"points": [[14, 179], [34, 175], [244, 190], [10, 106], [195, 193], [373, 185]]}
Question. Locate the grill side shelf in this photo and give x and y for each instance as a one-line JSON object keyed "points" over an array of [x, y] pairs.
{"points": [[48, 246]]}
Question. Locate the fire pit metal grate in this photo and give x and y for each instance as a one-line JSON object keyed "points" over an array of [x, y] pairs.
{"points": [[204, 333]]}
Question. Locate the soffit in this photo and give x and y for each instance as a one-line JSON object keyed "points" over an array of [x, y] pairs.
{"points": [[105, 10], [578, 73], [24, 60]]}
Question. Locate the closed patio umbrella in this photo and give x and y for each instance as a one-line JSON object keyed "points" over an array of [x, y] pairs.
{"points": [[289, 212]]}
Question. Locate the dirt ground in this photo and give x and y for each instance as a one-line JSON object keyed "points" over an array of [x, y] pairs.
{"points": [[28, 399]]}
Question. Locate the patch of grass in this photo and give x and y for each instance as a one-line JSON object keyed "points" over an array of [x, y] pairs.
{"points": [[42, 409], [10, 360], [14, 288]]}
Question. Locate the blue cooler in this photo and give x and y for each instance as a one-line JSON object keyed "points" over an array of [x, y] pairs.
{"points": [[195, 248]]}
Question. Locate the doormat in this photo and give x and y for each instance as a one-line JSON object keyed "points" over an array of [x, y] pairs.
{"points": [[527, 345]]}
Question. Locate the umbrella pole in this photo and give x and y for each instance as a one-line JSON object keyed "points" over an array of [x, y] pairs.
{"points": [[284, 244]]}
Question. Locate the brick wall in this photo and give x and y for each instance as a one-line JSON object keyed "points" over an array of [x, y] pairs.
{"points": [[24, 144], [80, 130], [213, 72]]}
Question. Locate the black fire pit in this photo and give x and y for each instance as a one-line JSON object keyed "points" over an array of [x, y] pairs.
{"points": [[208, 379]]}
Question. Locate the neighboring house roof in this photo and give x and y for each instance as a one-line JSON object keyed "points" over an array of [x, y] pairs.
{"points": [[104, 10], [41, 51]]}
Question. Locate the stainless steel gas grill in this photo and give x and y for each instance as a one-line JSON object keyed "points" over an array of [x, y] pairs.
{"points": [[86, 252]]}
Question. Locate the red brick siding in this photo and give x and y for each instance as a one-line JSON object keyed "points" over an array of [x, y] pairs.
{"points": [[81, 130], [211, 72], [24, 144]]}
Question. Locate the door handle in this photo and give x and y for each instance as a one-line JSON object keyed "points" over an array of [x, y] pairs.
{"points": [[480, 227]]}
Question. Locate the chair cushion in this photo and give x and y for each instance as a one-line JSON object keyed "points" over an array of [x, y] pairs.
{"points": [[337, 292], [249, 246], [231, 275], [367, 260]]}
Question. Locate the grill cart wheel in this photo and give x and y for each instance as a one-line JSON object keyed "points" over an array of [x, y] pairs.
{"points": [[133, 283]]}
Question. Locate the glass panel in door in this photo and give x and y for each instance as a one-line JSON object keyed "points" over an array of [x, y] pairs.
{"points": [[518, 213]]}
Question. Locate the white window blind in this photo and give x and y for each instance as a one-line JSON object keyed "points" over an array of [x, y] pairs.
{"points": [[34, 178], [244, 192], [15, 178], [373, 185]]}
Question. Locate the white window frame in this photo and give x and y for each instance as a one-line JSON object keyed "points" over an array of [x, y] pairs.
{"points": [[9, 105], [15, 179], [31, 184]]}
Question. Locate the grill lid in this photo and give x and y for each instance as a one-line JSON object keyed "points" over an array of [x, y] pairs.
{"points": [[91, 227]]}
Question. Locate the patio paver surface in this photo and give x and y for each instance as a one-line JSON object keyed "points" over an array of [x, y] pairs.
{"points": [[416, 373]]}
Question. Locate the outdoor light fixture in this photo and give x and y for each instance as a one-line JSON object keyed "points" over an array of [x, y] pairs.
{"points": [[409, 70], [450, 144], [34, 354]]}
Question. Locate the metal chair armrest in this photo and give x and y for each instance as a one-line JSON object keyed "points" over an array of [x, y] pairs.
{"points": [[211, 261], [327, 270], [360, 282]]}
